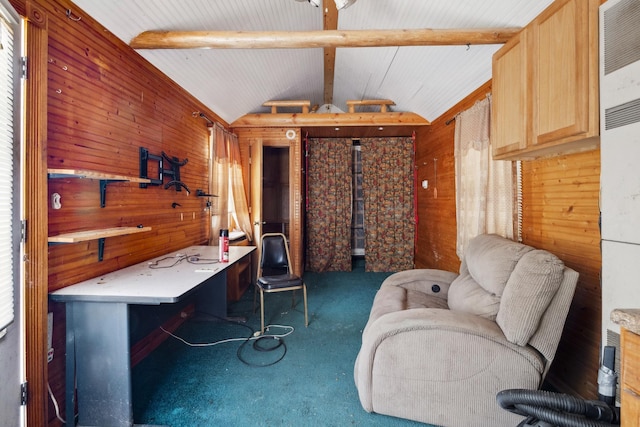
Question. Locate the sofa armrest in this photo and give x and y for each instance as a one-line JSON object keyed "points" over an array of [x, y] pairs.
{"points": [[423, 280], [437, 346]]}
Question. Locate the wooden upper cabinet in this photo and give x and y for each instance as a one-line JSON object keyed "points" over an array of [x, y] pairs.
{"points": [[509, 130], [558, 54]]}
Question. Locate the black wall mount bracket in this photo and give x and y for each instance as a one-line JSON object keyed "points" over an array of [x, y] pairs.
{"points": [[173, 173]]}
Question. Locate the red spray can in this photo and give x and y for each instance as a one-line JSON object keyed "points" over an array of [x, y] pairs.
{"points": [[223, 246]]}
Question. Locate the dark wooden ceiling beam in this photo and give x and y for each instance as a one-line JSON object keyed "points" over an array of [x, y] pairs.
{"points": [[319, 39]]}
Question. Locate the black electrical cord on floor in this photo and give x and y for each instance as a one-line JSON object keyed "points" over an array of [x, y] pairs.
{"points": [[258, 347]]}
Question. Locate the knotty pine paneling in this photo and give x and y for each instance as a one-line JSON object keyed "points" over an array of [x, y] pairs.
{"points": [[560, 214], [104, 102]]}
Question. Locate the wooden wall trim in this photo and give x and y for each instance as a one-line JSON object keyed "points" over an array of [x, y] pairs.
{"points": [[329, 120], [36, 269]]}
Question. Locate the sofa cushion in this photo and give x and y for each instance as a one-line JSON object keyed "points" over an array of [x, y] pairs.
{"points": [[390, 299], [466, 295], [490, 260], [488, 263], [532, 285]]}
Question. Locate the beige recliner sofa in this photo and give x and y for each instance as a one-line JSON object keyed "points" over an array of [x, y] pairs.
{"points": [[438, 346]]}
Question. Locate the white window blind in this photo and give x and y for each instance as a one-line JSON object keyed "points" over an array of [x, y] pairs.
{"points": [[7, 187]]}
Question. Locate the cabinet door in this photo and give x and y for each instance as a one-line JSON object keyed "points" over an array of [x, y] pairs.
{"points": [[509, 98], [561, 67], [630, 386]]}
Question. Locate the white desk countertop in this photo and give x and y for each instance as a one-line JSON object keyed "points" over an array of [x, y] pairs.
{"points": [[141, 284]]}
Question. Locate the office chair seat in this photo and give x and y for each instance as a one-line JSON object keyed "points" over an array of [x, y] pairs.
{"points": [[278, 282]]}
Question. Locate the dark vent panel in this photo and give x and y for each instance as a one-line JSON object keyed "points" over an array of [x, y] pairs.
{"points": [[621, 25], [622, 115]]}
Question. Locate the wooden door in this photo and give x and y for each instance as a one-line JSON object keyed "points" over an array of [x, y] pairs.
{"points": [[255, 153], [257, 139]]}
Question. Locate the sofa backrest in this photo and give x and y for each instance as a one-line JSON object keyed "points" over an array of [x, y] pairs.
{"points": [[486, 267], [547, 337], [527, 291]]}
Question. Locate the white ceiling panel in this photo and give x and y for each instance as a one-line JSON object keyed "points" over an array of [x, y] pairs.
{"points": [[232, 82]]}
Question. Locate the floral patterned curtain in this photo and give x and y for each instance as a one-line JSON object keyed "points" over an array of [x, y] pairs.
{"points": [[387, 169], [329, 205]]}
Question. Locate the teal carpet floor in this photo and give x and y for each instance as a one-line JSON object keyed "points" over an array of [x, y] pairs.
{"points": [[308, 381]]}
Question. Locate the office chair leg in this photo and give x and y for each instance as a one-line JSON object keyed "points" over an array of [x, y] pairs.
{"points": [[304, 295], [261, 312], [255, 291]]}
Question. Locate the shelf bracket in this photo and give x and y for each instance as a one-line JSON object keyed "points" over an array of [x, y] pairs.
{"points": [[101, 248], [103, 189]]}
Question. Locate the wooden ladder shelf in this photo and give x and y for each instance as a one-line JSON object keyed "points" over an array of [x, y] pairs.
{"points": [[383, 103], [305, 104]]}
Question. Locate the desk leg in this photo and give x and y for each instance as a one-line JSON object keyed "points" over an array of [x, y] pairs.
{"points": [[103, 363], [212, 296], [70, 374]]}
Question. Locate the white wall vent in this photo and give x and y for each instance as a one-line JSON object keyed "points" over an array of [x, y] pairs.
{"points": [[622, 115], [621, 35]]}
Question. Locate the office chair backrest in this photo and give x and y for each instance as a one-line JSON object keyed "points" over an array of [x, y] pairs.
{"points": [[274, 254]]}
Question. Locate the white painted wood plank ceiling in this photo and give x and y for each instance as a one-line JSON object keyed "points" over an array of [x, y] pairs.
{"points": [[426, 80]]}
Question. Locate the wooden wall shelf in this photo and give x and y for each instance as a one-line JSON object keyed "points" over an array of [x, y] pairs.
{"points": [[80, 173], [83, 236], [99, 234], [105, 179]]}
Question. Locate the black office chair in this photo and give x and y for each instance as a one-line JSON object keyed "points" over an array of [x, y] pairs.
{"points": [[274, 273]]}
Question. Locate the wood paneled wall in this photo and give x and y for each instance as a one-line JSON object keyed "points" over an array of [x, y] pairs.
{"points": [[561, 214], [104, 102], [560, 201]]}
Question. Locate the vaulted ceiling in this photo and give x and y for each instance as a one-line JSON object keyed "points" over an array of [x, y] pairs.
{"points": [[235, 80]]}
